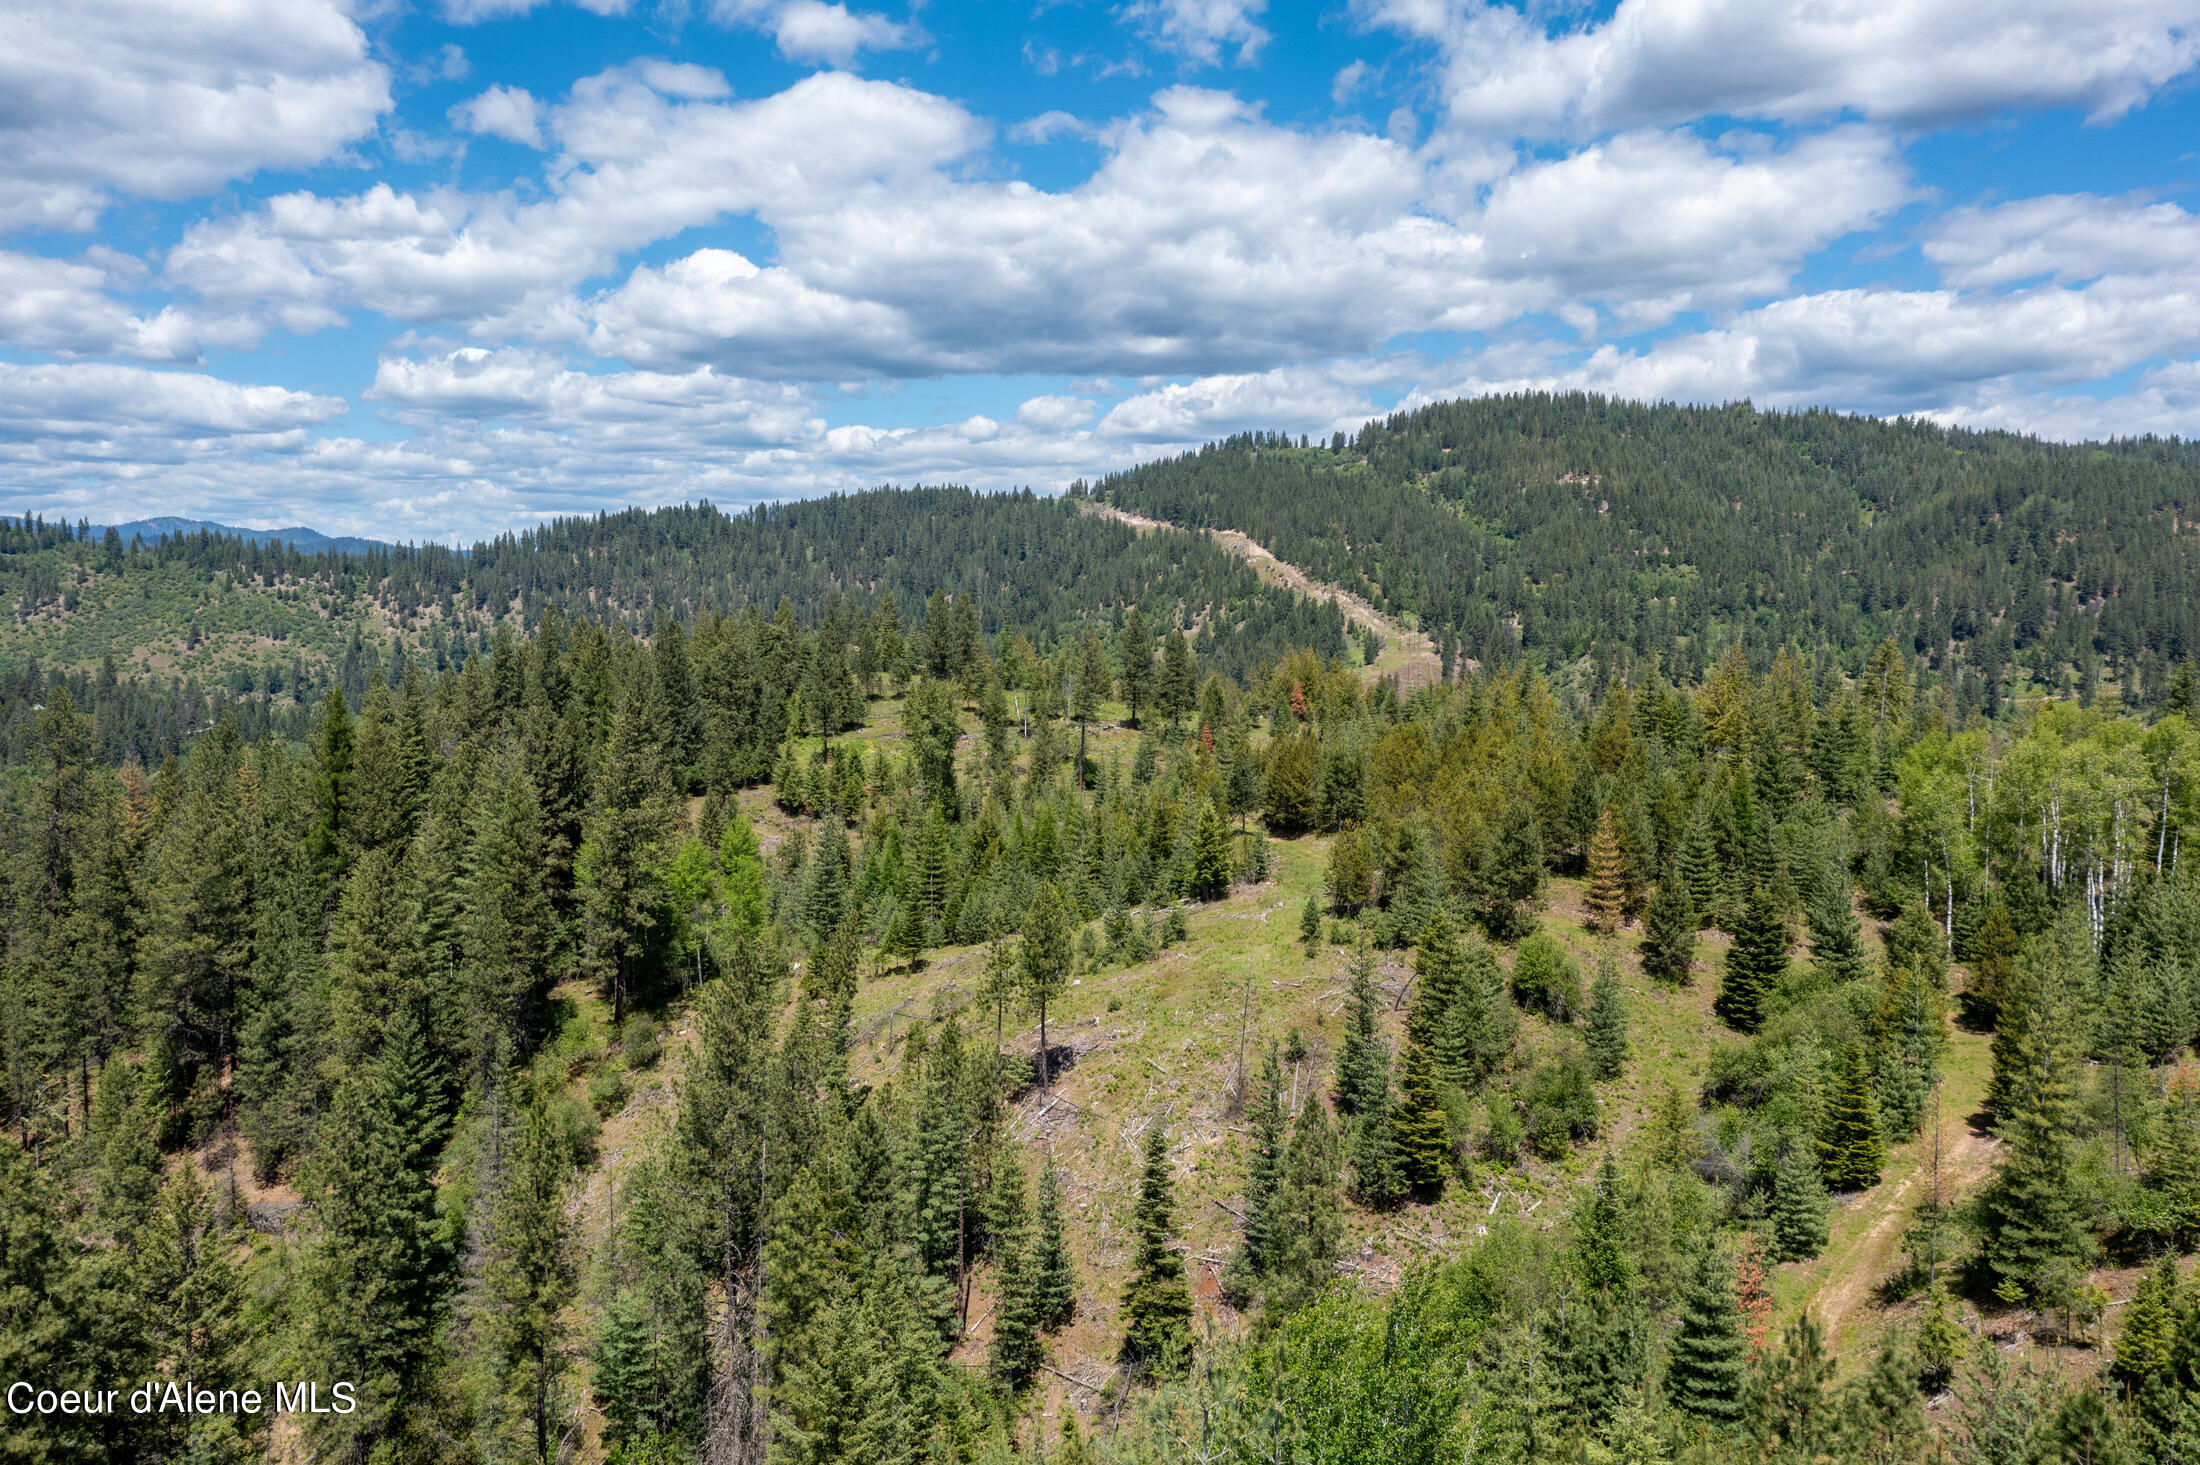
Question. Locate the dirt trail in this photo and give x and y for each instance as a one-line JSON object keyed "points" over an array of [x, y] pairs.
{"points": [[1408, 655], [1965, 1157]]}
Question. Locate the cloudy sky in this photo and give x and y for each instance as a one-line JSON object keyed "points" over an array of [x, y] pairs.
{"points": [[435, 268]]}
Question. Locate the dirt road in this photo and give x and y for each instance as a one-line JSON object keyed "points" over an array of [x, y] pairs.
{"points": [[1408, 655]]}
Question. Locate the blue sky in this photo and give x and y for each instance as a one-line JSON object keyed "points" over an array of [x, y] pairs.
{"points": [[437, 269]]}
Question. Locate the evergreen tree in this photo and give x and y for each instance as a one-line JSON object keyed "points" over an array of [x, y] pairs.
{"points": [[1054, 1277], [2144, 1346], [1699, 869], [1177, 685], [1707, 1368], [1310, 925], [1045, 959], [2084, 1430], [1882, 1423], [1378, 1180], [1211, 854], [1363, 1060], [1606, 1038], [1851, 1149], [1417, 1127], [1134, 648], [1016, 1352], [1089, 687], [1484, 1026], [1264, 1168], [1790, 1401], [1755, 963], [2030, 1208], [529, 1277], [189, 1306], [1308, 1214], [1432, 1020], [1669, 933], [376, 1276], [1157, 1303], [1836, 936], [1607, 894], [1798, 1205], [1600, 1255]]}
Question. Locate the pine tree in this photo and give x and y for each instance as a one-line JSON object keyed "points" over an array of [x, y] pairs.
{"points": [[1790, 1403], [1607, 894], [1882, 1423], [1157, 1304], [1310, 926], [1755, 963], [1134, 648], [1054, 1285], [1606, 1038], [1418, 1136], [2084, 1430], [1851, 1149], [529, 1277], [1798, 1205], [1836, 936], [1308, 1214], [1669, 933], [1363, 1059], [1707, 1368], [1016, 1352], [1089, 687], [1045, 959]]}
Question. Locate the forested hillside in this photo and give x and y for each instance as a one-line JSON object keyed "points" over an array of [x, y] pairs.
{"points": [[868, 983], [1561, 527]]}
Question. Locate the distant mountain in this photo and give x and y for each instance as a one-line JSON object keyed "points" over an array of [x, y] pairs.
{"points": [[305, 541]]}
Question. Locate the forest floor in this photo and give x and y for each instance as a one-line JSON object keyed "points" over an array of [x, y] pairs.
{"points": [[1407, 654]]}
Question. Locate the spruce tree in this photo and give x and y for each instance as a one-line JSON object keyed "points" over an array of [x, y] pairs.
{"points": [[1210, 853], [1436, 996], [1157, 1303], [1484, 1027], [1054, 1276], [1418, 1135], [1016, 1351], [1851, 1149], [1308, 1213], [1669, 933], [2030, 1208], [1755, 963], [1699, 869], [1363, 1059], [1836, 936], [1707, 1366], [1606, 1038], [1264, 1168], [1607, 893], [1600, 1256], [1798, 1205], [2144, 1345], [1378, 1183]]}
